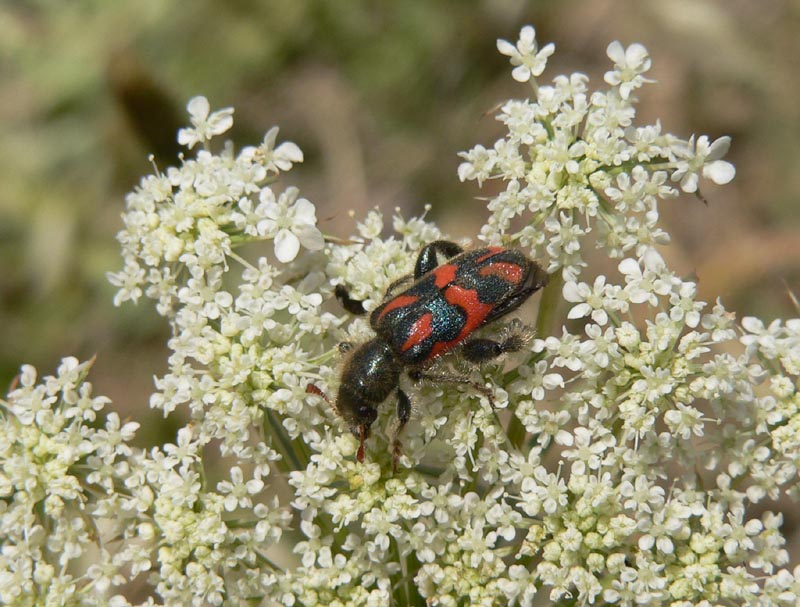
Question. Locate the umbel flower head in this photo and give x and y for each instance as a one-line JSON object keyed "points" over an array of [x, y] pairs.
{"points": [[636, 450]]}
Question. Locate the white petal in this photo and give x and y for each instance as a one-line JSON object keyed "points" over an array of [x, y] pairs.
{"points": [[752, 324], [305, 210], [521, 74], [630, 266], [287, 246], [689, 182], [270, 137], [579, 311], [616, 52], [289, 151], [289, 195], [187, 137], [547, 50], [719, 148], [506, 48], [28, 376], [220, 121], [310, 237], [653, 260], [635, 55], [638, 296], [527, 35], [646, 542], [198, 107], [551, 381], [266, 195], [564, 438], [270, 210], [719, 171], [571, 292]]}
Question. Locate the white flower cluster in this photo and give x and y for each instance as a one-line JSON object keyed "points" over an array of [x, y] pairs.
{"points": [[191, 217], [574, 162], [62, 468], [632, 460]]}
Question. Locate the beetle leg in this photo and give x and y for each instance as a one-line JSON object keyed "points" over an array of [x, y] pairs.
{"points": [[393, 286], [354, 306], [403, 415], [449, 378], [480, 350], [426, 261]]}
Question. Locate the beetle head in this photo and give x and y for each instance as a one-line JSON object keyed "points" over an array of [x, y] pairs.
{"points": [[371, 372], [358, 418], [357, 412]]}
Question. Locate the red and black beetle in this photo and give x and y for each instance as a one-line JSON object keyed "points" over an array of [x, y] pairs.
{"points": [[439, 311]]}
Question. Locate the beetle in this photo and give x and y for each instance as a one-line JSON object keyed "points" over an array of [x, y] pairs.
{"points": [[441, 308]]}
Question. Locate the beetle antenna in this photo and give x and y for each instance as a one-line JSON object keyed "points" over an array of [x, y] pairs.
{"points": [[313, 389]]}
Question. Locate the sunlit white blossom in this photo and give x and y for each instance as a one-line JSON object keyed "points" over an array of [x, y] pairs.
{"points": [[701, 158], [529, 60], [629, 65], [291, 222], [205, 123], [274, 158]]}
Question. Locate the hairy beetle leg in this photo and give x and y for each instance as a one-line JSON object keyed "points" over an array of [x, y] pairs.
{"points": [[480, 350], [453, 379]]}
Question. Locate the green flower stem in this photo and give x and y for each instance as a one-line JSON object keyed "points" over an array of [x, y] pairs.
{"points": [[282, 444], [515, 432], [548, 313], [402, 585], [548, 305]]}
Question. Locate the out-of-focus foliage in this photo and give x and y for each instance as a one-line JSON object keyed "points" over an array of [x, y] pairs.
{"points": [[381, 96]]}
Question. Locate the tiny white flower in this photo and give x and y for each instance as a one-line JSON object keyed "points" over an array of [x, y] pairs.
{"points": [[290, 221], [206, 124], [526, 56], [645, 285], [238, 491], [629, 66], [596, 300], [129, 281], [479, 164], [274, 159], [702, 158]]}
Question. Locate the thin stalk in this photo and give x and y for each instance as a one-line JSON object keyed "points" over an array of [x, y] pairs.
{"points": [[402, 584], [545, 321], [516, 432], [283, 445], [548, 305]]}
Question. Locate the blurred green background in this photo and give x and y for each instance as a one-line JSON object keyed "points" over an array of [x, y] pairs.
{"points": [[380, 96]]}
